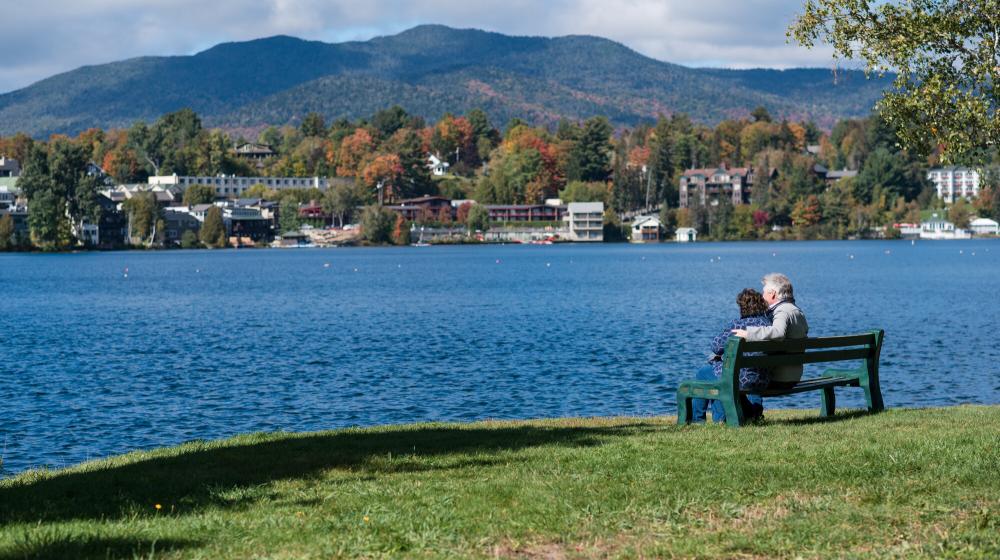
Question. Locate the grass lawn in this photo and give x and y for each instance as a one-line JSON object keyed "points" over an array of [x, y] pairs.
{"points": [[906, 483]]}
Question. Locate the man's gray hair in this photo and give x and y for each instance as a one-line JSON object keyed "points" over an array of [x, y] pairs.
{"points": [[780, 283]]}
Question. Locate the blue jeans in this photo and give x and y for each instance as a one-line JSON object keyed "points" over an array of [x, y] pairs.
{"points": [[753, 405]]}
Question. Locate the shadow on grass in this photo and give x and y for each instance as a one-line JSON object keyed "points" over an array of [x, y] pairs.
{"points": [[809, 420], [95, 548], [201, 478]]}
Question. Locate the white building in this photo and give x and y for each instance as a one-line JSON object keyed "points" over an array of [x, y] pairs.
{"points": [[646, 229], [438, 168], [984, 226], [230, 186], [585, 221], [952, 183], [937, 228], [686, 235]]}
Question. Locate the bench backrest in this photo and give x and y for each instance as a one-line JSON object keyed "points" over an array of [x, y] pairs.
{"points": [[864, 346]]}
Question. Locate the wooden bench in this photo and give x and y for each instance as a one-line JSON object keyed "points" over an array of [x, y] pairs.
{"points": [[740, 354]]}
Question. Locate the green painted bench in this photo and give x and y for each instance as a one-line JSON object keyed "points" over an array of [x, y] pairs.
{"points": [[865, 347]]}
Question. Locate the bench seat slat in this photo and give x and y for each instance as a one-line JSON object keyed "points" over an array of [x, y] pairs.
{"points": [[803, 358], [809, 385], [802, 344]]}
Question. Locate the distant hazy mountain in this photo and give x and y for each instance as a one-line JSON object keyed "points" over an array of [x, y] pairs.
{"points": [[429, 70]]}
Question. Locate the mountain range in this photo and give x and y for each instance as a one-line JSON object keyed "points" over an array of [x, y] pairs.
{"points": [[429, 70]]}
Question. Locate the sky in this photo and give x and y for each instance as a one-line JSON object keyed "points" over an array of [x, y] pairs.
{"points": [[40, 38]]}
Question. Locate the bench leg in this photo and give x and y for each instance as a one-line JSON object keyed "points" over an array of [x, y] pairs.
{"points": [[873, 396], [683, 410], [734, 412], [829, 403]]}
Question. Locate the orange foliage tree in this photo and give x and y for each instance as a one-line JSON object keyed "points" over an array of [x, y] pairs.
{"points": [[354, 149], [385, 168]]}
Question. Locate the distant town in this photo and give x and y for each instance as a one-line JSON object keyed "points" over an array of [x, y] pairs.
{"points": [[393, 179]]}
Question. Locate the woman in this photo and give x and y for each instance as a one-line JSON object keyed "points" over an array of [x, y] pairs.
{"points": [[753, 313]]}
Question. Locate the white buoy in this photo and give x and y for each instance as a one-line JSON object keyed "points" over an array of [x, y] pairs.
{"points": [[326, 265], [774, 254]]}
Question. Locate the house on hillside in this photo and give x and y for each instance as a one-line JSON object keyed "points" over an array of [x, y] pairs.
{"points": [[438, 168], [830, 177], [706, 186], [952, 183], [254, 152]]}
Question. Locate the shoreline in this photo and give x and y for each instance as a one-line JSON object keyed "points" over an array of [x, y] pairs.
{"points": [[479, 243]]}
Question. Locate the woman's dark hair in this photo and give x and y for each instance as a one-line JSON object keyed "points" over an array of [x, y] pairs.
{"points": [[751, 303]]}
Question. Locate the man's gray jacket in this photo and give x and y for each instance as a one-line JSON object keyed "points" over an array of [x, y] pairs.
{"points": [[787, 321]]}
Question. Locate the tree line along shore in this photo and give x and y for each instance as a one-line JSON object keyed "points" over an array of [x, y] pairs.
{"points": [[798, 182]]}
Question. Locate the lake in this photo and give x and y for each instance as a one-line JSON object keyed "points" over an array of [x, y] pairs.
{"points": [[109, 352]]}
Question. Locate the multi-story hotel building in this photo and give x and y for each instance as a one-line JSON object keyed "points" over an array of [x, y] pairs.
{"points": [[953, 182], [230, 186], [707, 186]]}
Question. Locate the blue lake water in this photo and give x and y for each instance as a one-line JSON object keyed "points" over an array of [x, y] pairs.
{"points": [[200, 345]]}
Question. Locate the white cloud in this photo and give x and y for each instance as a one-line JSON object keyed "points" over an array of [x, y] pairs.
{"points": [[48, 36]]}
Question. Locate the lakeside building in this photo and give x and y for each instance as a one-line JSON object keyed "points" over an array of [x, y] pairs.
{"points": [[646, 229], [526, 212], [231, 186], [686, 235], [706, 186], [955, 182], [428, 208], [908, 230], [176, 222], [515, 234], [984, 226], [937, 228], [585, 221], [9, 167]]}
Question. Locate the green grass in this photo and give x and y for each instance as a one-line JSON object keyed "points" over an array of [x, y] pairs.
{"points": [[905, 483]]}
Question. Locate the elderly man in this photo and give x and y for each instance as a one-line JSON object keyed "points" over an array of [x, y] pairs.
{"points": [[787, 321]]}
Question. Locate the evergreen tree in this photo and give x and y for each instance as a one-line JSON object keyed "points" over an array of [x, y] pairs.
{"points": [[760, 114], [288, 214], [416, 177], [313, 125], [590, 158], [388, 121], [213, 231], [661, 163]]}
